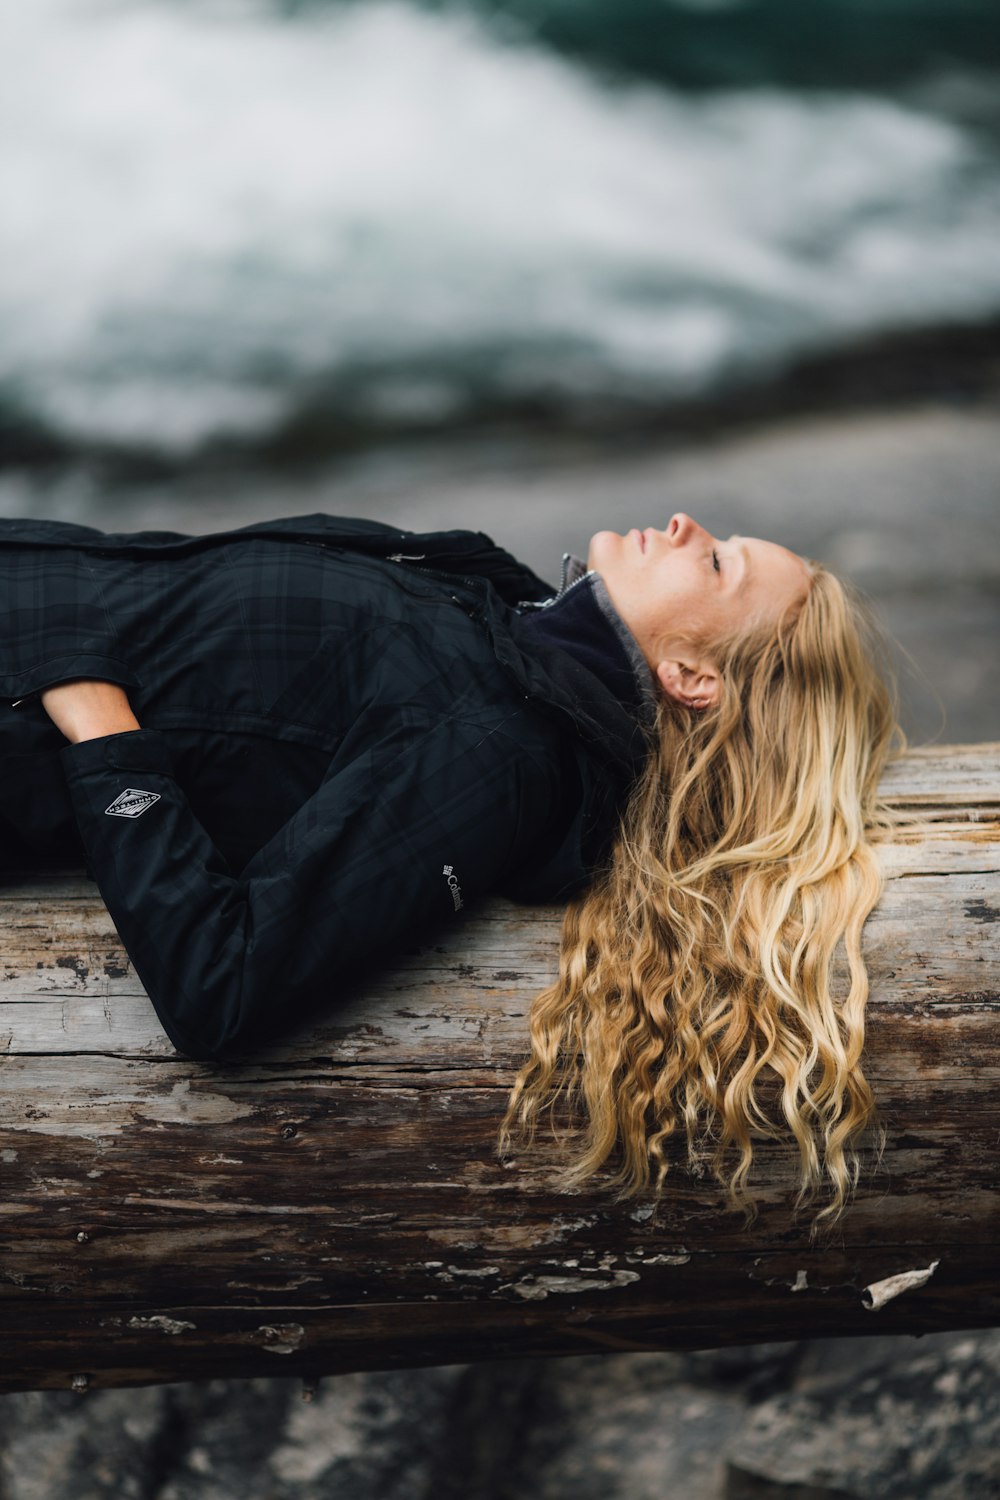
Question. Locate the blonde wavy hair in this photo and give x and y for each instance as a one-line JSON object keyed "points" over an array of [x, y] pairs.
{"points": [[711, 981]]}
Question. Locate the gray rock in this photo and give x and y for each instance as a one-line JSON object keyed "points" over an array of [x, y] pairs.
{"points": [[885, 1417], [894, 1425], [622, 1425], [374, 1435], [625, 1427], [105, 1447]]}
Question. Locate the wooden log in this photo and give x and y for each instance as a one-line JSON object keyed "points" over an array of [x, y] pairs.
{"points": [[335, 1204]]}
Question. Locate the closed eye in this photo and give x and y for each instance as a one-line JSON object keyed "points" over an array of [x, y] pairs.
{"points": [[715, 561]]}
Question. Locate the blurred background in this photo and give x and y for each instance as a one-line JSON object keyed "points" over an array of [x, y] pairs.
{"points": [[536, 267]]}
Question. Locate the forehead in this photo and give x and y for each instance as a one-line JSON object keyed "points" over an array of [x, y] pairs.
{"points": [[771, 554], [773, 569]]}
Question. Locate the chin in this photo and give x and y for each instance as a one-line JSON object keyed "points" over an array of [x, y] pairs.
{"points": [[600, 544]]}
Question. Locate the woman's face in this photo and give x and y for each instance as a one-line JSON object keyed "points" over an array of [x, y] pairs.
{"points": [[680, 589]]}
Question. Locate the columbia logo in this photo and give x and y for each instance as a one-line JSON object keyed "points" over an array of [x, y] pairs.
{"points": [[456, 890], [131, 803]]}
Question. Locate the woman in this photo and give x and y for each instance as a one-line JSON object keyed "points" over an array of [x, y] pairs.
{"points": [[287, 751]]}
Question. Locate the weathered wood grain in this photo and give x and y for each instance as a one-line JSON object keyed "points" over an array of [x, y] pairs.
{"points": [[336, 1203]]}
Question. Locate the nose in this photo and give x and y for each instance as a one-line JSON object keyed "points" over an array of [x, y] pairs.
{"points": [[681, 529]]}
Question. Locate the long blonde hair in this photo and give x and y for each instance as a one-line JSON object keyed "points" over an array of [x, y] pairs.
{"points": [[701, 988]]}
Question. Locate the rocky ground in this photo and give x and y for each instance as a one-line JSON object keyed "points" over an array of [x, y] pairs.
{"points": [[906, 501], [868, 1419]]}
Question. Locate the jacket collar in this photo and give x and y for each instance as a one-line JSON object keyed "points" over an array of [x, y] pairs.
{"points": [[582, 620]]}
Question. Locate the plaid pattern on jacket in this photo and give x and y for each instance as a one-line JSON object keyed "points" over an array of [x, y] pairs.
{"points": [[347, 736]]}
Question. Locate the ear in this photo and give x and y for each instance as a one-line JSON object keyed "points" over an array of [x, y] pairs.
{"points": [[691, 684]]}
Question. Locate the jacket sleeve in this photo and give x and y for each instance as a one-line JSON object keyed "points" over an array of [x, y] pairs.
{"points": [[395, 841]]}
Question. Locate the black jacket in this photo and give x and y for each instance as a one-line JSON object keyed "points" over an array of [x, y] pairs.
{"points": [[349, 732]]}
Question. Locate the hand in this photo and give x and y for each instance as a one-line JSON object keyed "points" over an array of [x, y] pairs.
{"points": [[85, 709]]}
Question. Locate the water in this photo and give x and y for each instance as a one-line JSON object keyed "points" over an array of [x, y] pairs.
{"points": [[223, 221]]}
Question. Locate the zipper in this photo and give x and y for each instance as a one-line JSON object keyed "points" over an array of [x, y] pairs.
{"points": [[565, 586], [442, 573]]}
